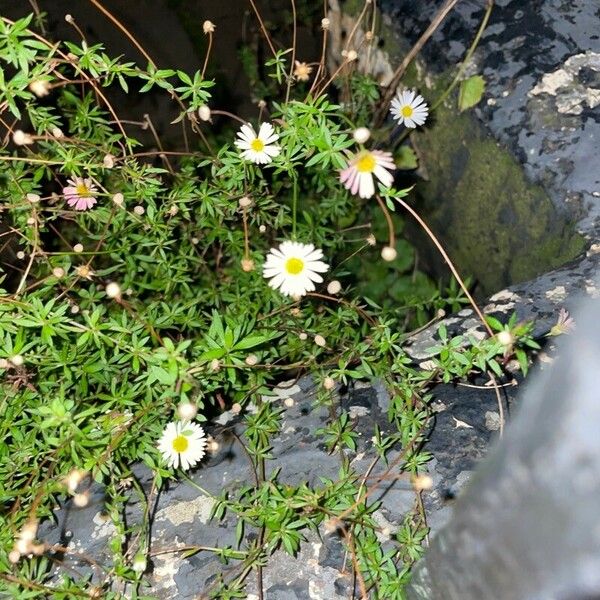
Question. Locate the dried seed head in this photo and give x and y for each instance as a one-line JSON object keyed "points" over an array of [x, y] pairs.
{"points": [[33, 198], [85, 272], [361, 135], [118, 199], [289, 402], [245, 202], [251, 360], [20, 138], [320, 340], [369, 36], [303, 336], [370, 239], [40, 87], [108, 161], [57, 132], [20, 255], [213, 445], [422, 482], [334, 287], [295, 311], [78, 248], [236, 408], [30, 221], [187, 411], [328, 383], [247, 265], [58, 272], [262, 228], [208, 27], [29, 531], [69, 18], [14, 556], [215, 364], [73, 479], [173, 210], [388, 253], [325, 23], [351, 56], [139, 210], [82, 499]]}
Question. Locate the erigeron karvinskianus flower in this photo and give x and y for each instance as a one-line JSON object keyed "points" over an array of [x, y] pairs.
{"points": [[182, 444], [565, 324], [80, 193], [261, 148], [358, 175], [409, 108], [293, 268]]}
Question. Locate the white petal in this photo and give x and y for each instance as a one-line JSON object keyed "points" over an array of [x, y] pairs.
{"points": [[366, 187]]}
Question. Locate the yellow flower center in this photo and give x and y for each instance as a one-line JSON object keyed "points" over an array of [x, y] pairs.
{"points": [[180, 444], [82, 189], [257, 145], [366, 164], [294, 266], [407, 111]]}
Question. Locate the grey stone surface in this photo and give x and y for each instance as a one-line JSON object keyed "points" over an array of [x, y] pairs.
{"points": [[181, 516], [527, 527]]}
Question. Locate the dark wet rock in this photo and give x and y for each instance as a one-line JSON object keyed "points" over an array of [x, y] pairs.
{"points": [[182, 514], [529, 218], [527, 524]]}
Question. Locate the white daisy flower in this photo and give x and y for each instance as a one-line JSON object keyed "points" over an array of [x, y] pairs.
{"points": [[182, 444], [358, 175], [261, 148], [294, 267], [409, 108]]}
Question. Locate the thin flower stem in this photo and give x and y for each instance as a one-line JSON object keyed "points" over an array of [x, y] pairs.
{"points": [[449, 262], [230, 115], [293, 60], [124, 30], [210, 39], [399, 72], [294, 206], [264, 29], [388, 218], [321, 67], [468, 55]]}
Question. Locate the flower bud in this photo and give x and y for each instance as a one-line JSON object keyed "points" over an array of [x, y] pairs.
{"points": [[388, 253], [113, 290], [17, 360], [506, 338], [187, 411], [139, 563], [361, 135], [334, 287], [204, 113], [320, 341]]}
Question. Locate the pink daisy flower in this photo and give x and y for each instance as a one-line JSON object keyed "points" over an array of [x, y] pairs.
{"points": [[80, 193], [358, 175]]}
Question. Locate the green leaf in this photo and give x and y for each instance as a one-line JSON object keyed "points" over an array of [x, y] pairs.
{"points": [[471, 91]]}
